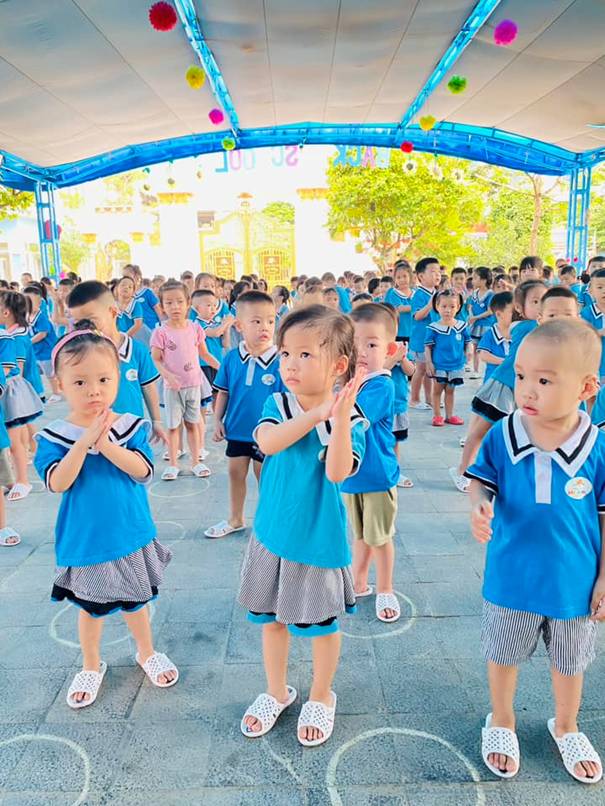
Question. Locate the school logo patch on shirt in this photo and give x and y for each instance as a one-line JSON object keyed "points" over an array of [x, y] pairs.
{"points": [[268, 379], [131, 375], [578, 488]]}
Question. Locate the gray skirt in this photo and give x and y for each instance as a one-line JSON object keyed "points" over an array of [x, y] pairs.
{"points": [[127, 579], [20, 403], [493, 401], [296, 593]]}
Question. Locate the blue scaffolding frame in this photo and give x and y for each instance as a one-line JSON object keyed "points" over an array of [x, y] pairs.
{"points": [[48, 231], [577, 216]]}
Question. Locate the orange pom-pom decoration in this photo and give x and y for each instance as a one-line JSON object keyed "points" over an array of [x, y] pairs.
{"points": [[162, 16], [407, 147]]}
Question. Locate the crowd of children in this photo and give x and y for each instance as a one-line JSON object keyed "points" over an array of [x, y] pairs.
{"points": [[311, 385]]}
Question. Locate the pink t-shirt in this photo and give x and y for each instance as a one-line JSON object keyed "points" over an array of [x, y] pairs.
{"points": [[180, 347]]}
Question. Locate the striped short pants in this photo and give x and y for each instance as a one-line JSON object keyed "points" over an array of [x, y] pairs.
{"points": [[509, 637]]}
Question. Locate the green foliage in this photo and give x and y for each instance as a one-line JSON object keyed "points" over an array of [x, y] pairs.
{"points": [[74, 250], [428, 210], [282, 211], [122, 188], [13, 203]]}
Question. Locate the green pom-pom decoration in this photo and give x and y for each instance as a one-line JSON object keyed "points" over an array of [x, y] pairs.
{"points": [[228, 143], [456, 84]]}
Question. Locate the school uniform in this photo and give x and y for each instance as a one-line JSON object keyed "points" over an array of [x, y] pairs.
{"points": [[401, 386], [20, 403], [148, 301], [494, 343], [543, 558], [420, 299], [25, 353], [370, 496], [105, 561], [395, 298], [296, 569], [248, 380], [595, 317], [127, 318], [478, 305], [40, 323], [344, 300], [136, 371], [597, 414], [448, 344], [214, 344], [6, 471]]}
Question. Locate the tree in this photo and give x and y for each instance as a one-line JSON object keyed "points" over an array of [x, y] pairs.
{"points": [[417, 205], [14, 202], [122, 188], [282, 211], [74, 250]]}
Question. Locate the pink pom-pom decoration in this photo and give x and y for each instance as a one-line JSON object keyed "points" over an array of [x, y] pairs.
{"points": [[216, 116], [505, 32], [162, 16], [407, 147]]}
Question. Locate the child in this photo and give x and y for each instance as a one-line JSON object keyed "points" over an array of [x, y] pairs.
{"points": [[447, 343], [480, 317], [280, 296], [151, 304], [330, 298], [371, 494], [205, 306], [530, 268], [545, 568], [8, 536], [568, 278], [495, 342], [105, 564], [361, 299], [458, 285], [428, 273], [247, 376], [495, 398], [386, 284], [296, 577], [130, 316], [43, 337], [344, 300], [594, 312], [176, 347], [60, 316], [21, 403], [400, 297], [359, 285], [402, 369]]}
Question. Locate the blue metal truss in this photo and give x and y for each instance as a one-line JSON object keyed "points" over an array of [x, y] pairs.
{"points": [[577, 216], [186, 12], [48, 233], [477, 19]]}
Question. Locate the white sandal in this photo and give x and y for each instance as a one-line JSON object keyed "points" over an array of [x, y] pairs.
{"points": [[267, 710], [575, 748], [88, 682], [316, 715], [19, 491], [387, 601], [201, 471], [404, 482], [222, 529], [179, 455], [158, 664], [499, 740], [367, 592], [170, 473], [6, 534]]}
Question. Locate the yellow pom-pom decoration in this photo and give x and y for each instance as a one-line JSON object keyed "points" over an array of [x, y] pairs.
{"points": [[228, 143], [427, 122], [195, 77]]}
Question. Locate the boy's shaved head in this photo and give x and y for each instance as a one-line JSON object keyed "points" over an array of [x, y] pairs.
{"points": [[575, 341]]}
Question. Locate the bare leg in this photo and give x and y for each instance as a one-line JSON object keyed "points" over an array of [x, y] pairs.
{"points": [[276, 644], [89, 631], [428, 388], [436, 401], [362, 556], [193, 440], [174, 436], [502, 687], [475, 356], [416, 384], [449, 401], [567, 691], [238, 471], [477, 429], [140, 629], [326, 652], [201, 430], [18, 453], [257, 467]]}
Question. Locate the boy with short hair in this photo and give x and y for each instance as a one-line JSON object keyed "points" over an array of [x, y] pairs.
{"points": [[428, 273], [493, 345], [593, 311], [330, 298], [371, 494], [545, 567], [344, 300], [248, 375], [204, 304]]}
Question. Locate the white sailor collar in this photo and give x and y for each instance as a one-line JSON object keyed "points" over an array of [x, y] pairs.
{"points": [[595, 310], [377, 374], [457, 327], [125, 349], [262, 360], [400, 294], [570, 456], [65, 433], [35, 318], [498, 337], [430, 292], [130, 307], [289, 408], [19, 331]]}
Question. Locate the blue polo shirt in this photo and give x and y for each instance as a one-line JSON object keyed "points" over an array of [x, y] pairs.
{"points": [[494, 343], [344, 300], [396, 299], [401, 386], [479, 305], [148, 302], [213, 343], [105, 514], [300, 515], [25, 352], [546, 543], [379, 470], [40, 323], [8, 354], [595, 317], [4, 438], [505, 372], [136, 371], [129, 315], [248, 380], [420, 299], [449, 345]]}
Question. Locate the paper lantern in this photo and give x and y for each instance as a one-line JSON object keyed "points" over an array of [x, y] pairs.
{"points": [[456, 84], [47, 230], [162, 16], [407, 147], [216, 116], [195, 77], [228, 143], [427, 122], [505, 32]]}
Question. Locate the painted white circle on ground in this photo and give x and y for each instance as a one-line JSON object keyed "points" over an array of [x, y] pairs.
{"points": [[332, 768], [170, 491], [79, 751], [180, 535], [52, 629], [402, 625]]}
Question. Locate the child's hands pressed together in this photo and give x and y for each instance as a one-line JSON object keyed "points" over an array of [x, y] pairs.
{"points": [[481, 521], [597, 603], [97, 430]]}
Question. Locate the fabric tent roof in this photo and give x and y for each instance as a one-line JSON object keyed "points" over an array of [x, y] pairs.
{"points": [[88, 87]]}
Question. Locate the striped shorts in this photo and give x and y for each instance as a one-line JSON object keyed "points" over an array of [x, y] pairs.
{"points": [[509, 637]]}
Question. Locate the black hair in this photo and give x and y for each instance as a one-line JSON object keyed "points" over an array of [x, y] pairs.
{"points": [[202, 292], [88, 291], [373, 285], [66, 281], [501, 300], [520, 295], [173, 285], [239, 288], [596, 259], [363, 297], [186, 275], [73, 276], [598, 273], [283, 292], [567, 269], [560, 292], [458, 270], [531, 262], [375, 312], [17, 304], [448, 292], [329, 290], [255, 297], [33, 289], [4, 284], [401, 263], [423, 263], [387, 279], [484, 274], [79, 346], [36, 287]]}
